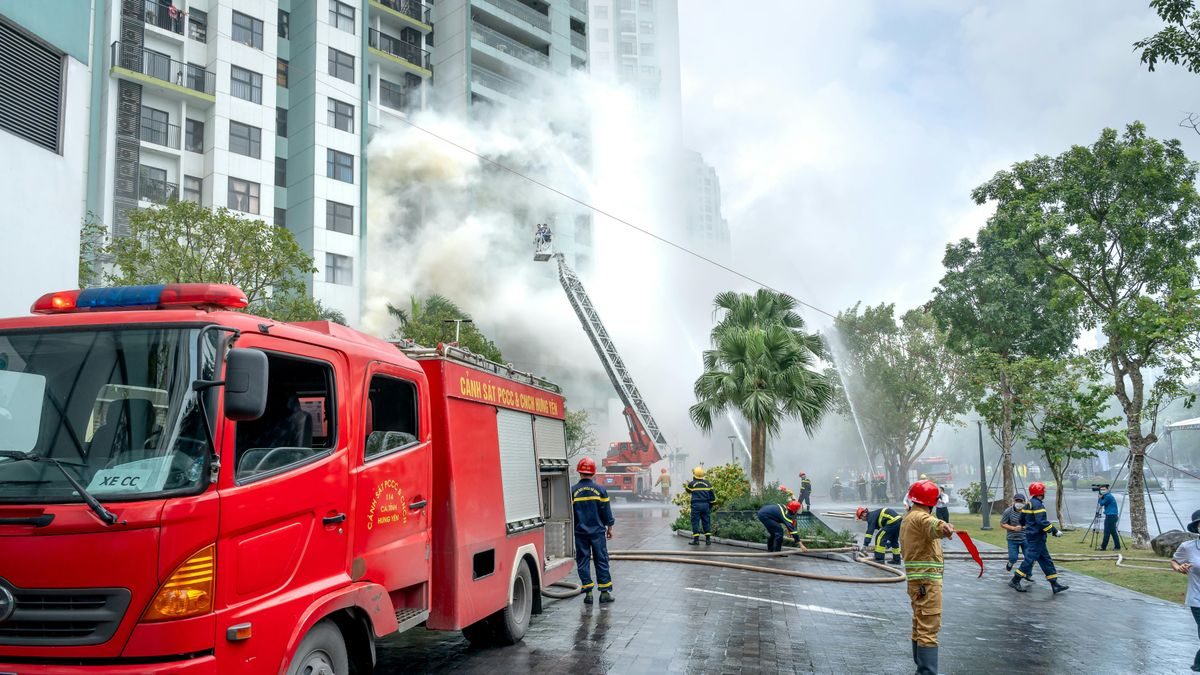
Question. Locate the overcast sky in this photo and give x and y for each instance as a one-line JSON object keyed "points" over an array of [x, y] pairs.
{"points": [[848, 135]]}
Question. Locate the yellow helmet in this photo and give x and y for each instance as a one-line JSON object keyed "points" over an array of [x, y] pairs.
{"points": [[698, 472], [924, 477]]}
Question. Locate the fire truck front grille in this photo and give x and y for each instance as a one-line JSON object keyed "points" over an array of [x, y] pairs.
{"points": [[62, 617]]}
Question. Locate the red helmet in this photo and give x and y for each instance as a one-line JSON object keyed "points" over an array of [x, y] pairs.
{"points": [[924, 492], [1037, 490], [793, 506], [663, 471], [782, 488], [586, 467], [860, 513], [802, 474]]}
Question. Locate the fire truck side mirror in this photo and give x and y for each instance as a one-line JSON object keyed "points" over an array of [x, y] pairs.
{"points": [[245, 384]]}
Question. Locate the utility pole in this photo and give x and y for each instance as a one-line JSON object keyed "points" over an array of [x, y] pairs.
{"points": [[984, 507], [457, 326]]}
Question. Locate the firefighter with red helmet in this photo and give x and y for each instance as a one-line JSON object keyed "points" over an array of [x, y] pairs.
{"points": [[883, 532], [779, 519], [921, 536], [1037, 526], [593, 526], [664, 482]]}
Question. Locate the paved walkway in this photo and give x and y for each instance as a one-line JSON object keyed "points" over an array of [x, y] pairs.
{"points": [[672, 618]]}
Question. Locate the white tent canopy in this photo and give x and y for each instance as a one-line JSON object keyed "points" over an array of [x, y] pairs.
{"points": [[1183, 425]]}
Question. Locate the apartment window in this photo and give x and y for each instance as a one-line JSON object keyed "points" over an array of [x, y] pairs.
{"points": [[339, 217], [245, 139], [155, 127], [245, 84], [392, 95], [341, 16], [647, 49], [281, 172], [280, 217], [627, 5], [193, 189], [195, 136], [243, 195], [341, 65], [157, 65], [281, 122], [339, 165], [198, 25], [339, 269], [284, 25], [153, 185], [628, 48], [341, 115], [247, 30], [647, 4], [197, 78], [646, 28], [281, 73], [627, 25]]}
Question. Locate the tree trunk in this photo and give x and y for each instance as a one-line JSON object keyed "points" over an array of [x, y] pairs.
{"points": [[758, 457], [1131, 400], [900, 484], [1007, 436], [1137, 501], [1057, 472]]}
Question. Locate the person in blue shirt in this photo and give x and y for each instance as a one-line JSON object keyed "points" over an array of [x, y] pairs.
{"points": [[1107, 505], [778, 520], [702, 495], [593, 527], [1037, 526]]}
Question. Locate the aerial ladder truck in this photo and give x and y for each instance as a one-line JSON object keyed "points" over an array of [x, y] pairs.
{"points": [[627, 465]]}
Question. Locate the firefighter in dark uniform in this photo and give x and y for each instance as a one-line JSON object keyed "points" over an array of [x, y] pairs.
{"points": [[702, 499], [780, 520], [883, 532], [805, 491], [861, 484], [921, 536], [593, 527], [1037, 526]]}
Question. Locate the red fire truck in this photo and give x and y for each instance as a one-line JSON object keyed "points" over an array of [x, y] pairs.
{"points": [[189, 489]]}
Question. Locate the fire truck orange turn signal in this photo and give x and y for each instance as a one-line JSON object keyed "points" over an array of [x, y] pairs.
{"points": [[188, 591]]}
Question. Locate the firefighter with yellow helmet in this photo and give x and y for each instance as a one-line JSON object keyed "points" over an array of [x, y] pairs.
{"points": [[702, 495]]}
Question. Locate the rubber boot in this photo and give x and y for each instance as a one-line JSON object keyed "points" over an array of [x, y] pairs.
{"points": [[879, 558], [1008, 567], [587, 598], [1015, 584], [606, 597], [896, 559], [694, 542], [708, 540], [916, 661], [1057, 587], [927, 658]]}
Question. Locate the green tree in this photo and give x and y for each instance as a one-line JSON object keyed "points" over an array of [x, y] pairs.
{"points": [[1117, 225], [431, 322], [1069, 420], [1179, 41], [579, 433], [999, 310], [295, 307], [905, 380], [761, 366], [92, 234]]}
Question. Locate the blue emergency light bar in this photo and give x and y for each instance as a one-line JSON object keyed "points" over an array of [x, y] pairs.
{"points": [[158, 296]]}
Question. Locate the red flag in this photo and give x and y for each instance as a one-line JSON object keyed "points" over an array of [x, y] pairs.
{"points": [[966, 540]]}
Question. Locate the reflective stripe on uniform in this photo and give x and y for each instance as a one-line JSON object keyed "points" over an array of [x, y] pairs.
{"points": [[589, 499], [932, 576], [608, 585], [1033, 511]]}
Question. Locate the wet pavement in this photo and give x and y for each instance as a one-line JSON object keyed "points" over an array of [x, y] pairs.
{"points": [[672, 618]]}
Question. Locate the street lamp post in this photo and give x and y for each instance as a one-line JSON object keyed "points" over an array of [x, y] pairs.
{"points": [[732, 451], [457, 326], [984, 507]]}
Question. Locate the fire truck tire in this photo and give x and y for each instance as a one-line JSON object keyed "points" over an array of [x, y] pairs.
{"points": [[322, 652], [512, 621]]}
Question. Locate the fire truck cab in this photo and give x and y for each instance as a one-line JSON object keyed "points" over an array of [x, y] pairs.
{"points": [[189, 489]]}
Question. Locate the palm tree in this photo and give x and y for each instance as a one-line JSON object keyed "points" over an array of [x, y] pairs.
{"points": [[761, 366]]}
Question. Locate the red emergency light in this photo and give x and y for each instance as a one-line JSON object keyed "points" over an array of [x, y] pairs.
{"points": [[161, 296]]}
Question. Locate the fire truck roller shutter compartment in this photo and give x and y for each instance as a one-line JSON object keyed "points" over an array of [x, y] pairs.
{"points": [[550, 439], [518, 469]]}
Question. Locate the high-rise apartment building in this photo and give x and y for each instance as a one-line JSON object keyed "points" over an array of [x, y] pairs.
{"points": [[261, 106], [706, 228]]}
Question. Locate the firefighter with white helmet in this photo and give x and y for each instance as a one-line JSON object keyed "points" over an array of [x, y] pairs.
{"points": [[702, 495], [593, 526], [920, 540]]}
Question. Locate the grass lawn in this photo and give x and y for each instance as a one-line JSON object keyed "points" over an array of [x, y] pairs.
{"points": [[1159, 584]]}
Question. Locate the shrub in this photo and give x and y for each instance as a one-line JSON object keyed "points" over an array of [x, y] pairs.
{"points": [[729, 483]]}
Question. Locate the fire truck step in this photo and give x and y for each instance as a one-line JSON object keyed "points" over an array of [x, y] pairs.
{"points": [[410, 618]]}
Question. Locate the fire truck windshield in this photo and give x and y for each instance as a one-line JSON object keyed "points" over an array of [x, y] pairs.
{"points": [[114, 407]]}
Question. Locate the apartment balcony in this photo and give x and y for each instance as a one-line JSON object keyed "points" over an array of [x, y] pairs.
{"points": [[158, 133], [579, 41], [521, 11], [157, 191], [146, 66], [496, 81], [507, 45], [159, 15], [409, 12], [406, 54]]}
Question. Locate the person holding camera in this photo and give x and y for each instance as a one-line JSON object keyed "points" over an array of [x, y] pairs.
{"points": [[1010, 520], [1106, 505], [1037, 526]]}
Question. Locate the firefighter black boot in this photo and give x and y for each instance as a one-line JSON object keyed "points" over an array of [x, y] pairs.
{"points": [[587, 598], [1015, 584], [606, 597], [695, 541], [708, 540], [1057, 587], [896, 559], [927, 658]]}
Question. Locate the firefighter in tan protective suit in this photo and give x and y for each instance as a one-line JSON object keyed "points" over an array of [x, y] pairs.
{"points": [[664, 482], [921, 545]]}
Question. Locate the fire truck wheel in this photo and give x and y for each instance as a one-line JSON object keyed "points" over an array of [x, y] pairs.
{"points": [[512, 621], [322, 652]]}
